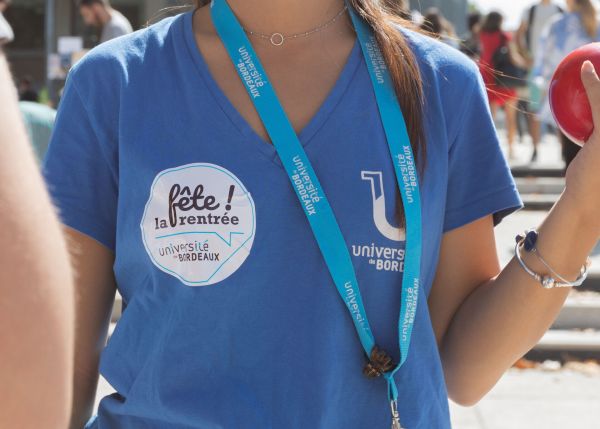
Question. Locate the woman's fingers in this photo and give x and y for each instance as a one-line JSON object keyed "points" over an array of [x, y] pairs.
{"points": [[591, 82]]}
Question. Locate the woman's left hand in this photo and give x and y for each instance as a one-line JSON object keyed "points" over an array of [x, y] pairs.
{"points": [[583, 174]]}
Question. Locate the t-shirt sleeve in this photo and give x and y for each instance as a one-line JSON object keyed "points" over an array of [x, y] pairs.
{"points": [[80, 169], [479, 180]]}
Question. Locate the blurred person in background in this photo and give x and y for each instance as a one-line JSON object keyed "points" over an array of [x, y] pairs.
{"points": [[533, 21], [565, 33], [39, 121], [6, 32], [99, 14], [492, 38], [439, 27], [470, 43], [38, 118], [36, 290], [26, 91]]}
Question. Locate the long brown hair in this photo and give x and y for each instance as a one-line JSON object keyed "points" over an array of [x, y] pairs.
{"points": [[401, 63], [492, 22], [588, 14], [403, 67]]}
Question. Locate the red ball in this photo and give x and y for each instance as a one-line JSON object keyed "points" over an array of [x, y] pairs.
{"points": [[568, 99]]}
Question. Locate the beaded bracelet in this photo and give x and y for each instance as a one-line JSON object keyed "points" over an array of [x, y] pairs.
{"points": [[528, 242]]}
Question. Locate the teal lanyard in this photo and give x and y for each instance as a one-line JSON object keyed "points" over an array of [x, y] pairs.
{"points": [[308, 189]]}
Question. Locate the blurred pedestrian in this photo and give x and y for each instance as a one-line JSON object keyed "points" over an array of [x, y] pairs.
{"points": [[36, 290], [39, 121], [437, 26], [565, 33], [533, 21], [6, 31], [26, 91], [110, 22], [501, 82], [470, 43]]}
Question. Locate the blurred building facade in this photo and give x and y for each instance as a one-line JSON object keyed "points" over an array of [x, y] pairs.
{"points": [[39, 23]]}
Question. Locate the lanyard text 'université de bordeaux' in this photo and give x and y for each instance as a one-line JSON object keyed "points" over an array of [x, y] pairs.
{"points": [[310, 193]]}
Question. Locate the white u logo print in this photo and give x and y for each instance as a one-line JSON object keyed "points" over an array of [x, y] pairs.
{"points": [[378, 198]]}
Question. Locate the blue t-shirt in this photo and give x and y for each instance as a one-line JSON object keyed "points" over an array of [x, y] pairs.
{"points": [[232, 319]]}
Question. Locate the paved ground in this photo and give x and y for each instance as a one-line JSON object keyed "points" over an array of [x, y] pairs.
{"points": [[533, 399], [549, 154]]}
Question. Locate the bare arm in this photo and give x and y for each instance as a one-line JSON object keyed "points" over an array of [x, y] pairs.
{"points": [[516, 57], [36, 291], [476, 307], [95, 292], [520, 37]]}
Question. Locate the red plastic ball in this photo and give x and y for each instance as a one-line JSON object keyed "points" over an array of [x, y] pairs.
{"points": [[568, 99]]}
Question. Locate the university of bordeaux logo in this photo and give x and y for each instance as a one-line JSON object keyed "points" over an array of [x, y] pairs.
{"points": [[383, 258], [199, 223]]}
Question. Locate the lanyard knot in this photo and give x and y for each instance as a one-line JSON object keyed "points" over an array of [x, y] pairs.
{"points": [[379, 363]]}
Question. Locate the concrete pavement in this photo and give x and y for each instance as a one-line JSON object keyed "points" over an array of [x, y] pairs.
{"points": [[535, 399]]}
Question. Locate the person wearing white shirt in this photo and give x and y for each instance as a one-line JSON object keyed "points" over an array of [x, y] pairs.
{"points": [[533, 22], [99, 14]]}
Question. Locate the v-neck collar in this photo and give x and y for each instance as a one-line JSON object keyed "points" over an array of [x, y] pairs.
{"points": [[316, 122]]}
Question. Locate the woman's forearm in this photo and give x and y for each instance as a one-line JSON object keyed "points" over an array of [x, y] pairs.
{"points": [[36, 308], [504, 318]]}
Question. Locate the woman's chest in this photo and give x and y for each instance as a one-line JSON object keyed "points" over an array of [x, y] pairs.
{"points": [[202, 199], [302, 74]]}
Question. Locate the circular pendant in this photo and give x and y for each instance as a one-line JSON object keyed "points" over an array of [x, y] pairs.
{"points": [[277, 39]]}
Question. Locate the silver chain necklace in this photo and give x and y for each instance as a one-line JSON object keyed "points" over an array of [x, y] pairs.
{"points": [[277, 39]]}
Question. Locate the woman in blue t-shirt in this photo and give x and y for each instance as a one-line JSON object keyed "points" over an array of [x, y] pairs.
{"points": [[186, 185]]}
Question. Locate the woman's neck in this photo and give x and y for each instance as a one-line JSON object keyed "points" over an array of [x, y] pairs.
{"points": [[284, 16]]}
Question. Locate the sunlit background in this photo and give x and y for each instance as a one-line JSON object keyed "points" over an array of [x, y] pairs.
{"points": [[38, 25], [511, 9]]}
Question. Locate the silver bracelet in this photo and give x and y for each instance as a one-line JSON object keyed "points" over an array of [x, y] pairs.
{"points": [[528, 242]]}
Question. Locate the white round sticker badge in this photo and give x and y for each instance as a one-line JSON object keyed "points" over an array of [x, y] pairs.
{"points": [[199, 223]]}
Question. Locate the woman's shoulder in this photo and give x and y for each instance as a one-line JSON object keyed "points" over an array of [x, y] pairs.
{"points": [[438, 60], [114, 58], [453, 89]]}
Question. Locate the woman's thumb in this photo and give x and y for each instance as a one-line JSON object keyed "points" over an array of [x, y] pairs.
{"points": [[591, 82]]}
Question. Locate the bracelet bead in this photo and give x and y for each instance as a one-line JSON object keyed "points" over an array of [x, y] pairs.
{"points": [[528, 241], [548, 282]]}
